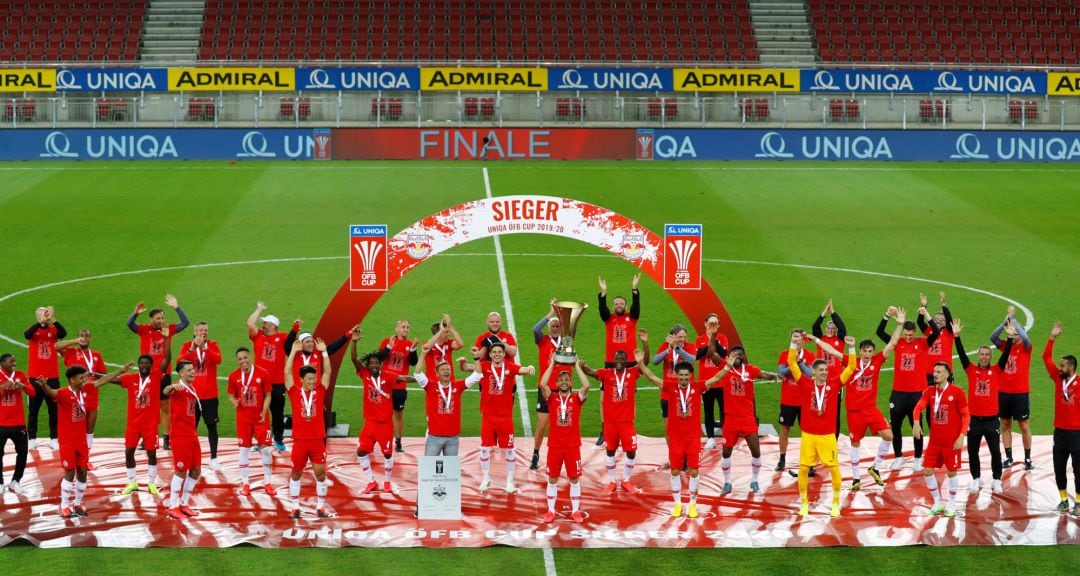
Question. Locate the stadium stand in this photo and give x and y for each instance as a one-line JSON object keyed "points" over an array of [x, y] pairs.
{"points": [[70, 31], [996, 32], [577, 30]]}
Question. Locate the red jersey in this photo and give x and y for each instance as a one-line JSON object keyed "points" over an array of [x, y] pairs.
{"points": [[443, 405], [834, 363], [71, 415], [41, 360], [739, 391], [143, 399], [620, 334], [153, 343], [439, 353], [564, 420], [706, 367], [790, 391], [1017, 377], [90, 359], [909, 365], [497, 388], [11, 402], [547, 347], [206, 364], [182, 405], [941, 351], [304, 359], [251, 389], [620, 388], [269, 354], [502, 336], [1066, 404], [378, 404], [308, 422], [862, 389], [819, 405], [669, 364], [397, 362], [949, 414], [983, 387], [684, 410]]}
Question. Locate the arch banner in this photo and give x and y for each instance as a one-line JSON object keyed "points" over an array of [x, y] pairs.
{"points": [[380, 262]]}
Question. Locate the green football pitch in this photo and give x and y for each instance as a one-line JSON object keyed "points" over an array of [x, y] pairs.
{"points": [[780, 239]]}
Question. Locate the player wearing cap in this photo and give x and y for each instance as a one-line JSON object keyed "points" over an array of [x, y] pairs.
{"points": [[268, 344]]}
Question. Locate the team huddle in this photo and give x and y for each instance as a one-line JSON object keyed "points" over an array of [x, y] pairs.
{"points": [[706, 380]]}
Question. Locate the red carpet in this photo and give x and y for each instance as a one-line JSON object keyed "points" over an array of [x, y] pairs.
{"points": [[891, 516]]}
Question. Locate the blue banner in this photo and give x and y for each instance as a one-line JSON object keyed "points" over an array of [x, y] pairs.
{"points": [[136, 144], [611, 79], [924, 81], [112, 80], [904, 145], [357, 79]]}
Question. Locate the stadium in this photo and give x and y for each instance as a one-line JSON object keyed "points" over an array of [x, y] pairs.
{"points": [[354, 163]]}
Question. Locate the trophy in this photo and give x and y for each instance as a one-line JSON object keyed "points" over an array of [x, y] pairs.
{"points": [[568, 313]]}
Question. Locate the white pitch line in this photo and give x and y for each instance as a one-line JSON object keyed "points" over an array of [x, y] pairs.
{"points": [[549, 560], [523, 404]]}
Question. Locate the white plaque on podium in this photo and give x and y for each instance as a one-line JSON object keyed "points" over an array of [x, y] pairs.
{"points": [[439, 488]]}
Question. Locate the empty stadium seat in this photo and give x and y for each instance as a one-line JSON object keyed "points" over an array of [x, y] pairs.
{"points": [[610, 31], [61, 30], [386, 108], [295, 108], [202, 109]]}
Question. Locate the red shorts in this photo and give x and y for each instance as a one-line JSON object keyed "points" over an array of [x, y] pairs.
{"points": [[734, 428], [74, 454], [497, 431], [304, 450], [688, 448], [620, 434], [376, 433], [186, 452], [937, 456], [859, 420], [148, 435], [258, 430], [570, 457]]}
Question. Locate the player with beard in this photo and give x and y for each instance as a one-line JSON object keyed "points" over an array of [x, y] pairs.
{"points": [[1014, 399], [205, 355], [41, 338], [620, 325], [152, 341], [984, 380], [547, 345], [494, 334], [1066, 420], [909, 381]]}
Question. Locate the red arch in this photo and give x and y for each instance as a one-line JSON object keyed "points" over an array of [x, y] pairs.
{"points": [[519, 215]]}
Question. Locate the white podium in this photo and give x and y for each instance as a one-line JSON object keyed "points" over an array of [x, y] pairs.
{"points": [[439, 488]]}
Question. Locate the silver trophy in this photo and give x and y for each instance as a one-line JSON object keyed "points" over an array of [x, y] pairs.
{"points": [[568, 313]]}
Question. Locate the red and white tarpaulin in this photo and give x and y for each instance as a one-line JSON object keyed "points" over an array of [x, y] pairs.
{"points": [[893, 515]]}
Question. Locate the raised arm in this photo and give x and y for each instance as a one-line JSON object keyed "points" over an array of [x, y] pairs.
{"points": [[545, 388], [166, 360], [841, 328], [288, 367], [538, 328], [114, 377], [1048, 352], [849, 369], [995, 336], [935, 332], [131, 321], [1003, 361], [602, 301], [635, 298], [584, 390], [183, 319], [352, 350], [294, 332], [1022, 333], [326, 367], [639, 357], [826, 348], [815, 328], [881, 333], [964, 361], [252, 329], [901, 315]]}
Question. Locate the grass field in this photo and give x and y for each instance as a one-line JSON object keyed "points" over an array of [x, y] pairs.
{"points": [[780, 240]]}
